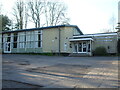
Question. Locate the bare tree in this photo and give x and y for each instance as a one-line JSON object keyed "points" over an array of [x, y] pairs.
{"points": [[18, 13], [0, 8], [50, 12], [36, 10], [112, 22], [26, 15], [55, 13]]}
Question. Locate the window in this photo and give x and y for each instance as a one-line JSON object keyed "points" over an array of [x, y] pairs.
{"points": [[34, 39], [75, 47], [28, 39], [7, 42], [80, 47], [0, 41], [105, 40], [21, 40], [89, 47], [75, 31], [15, 37], [39, 39], [8, 38], [84, 47]]}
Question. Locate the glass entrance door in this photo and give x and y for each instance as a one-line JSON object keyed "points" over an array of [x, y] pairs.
{"points": [[7, 44], [7, 48], [82, 47], [79, 47]]}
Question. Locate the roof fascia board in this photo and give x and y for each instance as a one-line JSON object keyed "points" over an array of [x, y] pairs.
{"points": [[43, 28], [83, 39], [96, 35]]}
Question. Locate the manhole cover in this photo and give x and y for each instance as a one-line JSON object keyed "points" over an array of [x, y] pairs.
{"points": [[63, 70]]}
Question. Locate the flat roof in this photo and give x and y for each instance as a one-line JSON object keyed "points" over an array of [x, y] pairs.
{"points": [[81, 39], [97, 34], [42, 28]]}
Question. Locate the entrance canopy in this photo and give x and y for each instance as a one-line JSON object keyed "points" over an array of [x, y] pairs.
{"points": [[81, 39]]}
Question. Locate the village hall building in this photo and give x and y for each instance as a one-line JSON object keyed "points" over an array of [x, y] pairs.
{"points": [[66, 39]]}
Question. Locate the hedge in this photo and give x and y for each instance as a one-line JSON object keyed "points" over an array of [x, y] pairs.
{"points": [[100, 51]]}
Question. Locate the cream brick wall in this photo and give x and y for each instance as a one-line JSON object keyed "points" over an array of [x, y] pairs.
{"points": [[49, 42], [51, 39], [68, 33], [100, 42]]}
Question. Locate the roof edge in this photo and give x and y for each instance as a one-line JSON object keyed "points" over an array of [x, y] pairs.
{"points": [[43, 28]]}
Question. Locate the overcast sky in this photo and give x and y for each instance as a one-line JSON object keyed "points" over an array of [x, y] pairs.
{"points": [[91, 16]]}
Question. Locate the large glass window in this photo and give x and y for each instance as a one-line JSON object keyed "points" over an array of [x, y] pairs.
{"points": [[28, 39], [7, 42], [84, 47], [8, 38], [39, 39], [0, 40], [75, 47], [88, 47], [33, 39], [22, 40], [79, 47], [75, 31], [15, 37]]}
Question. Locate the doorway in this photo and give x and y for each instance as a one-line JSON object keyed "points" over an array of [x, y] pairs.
{"points": [[82, 47], [7, 44]]}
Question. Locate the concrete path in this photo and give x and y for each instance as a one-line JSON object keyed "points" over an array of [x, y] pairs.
{"points": [[61, 72]]}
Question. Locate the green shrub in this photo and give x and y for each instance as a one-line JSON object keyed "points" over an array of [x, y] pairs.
{"points": [[118, 46], [100, 51]]}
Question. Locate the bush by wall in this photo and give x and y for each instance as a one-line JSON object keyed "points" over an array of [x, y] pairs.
{"points": [[118, 46], [100, 51]]}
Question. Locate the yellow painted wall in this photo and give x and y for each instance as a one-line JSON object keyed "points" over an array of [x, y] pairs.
{"points": [[49, 43], [68, 33], [51, 39], [112, 44]]}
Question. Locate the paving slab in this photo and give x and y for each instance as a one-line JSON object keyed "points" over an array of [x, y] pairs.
{"points": [[62, 72]]}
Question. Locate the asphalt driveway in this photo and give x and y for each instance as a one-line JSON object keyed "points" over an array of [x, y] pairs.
{"points": [[59, 72]]}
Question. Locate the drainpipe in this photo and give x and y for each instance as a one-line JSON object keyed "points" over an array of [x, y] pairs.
{"points": [[90, 48], [59, 41]]}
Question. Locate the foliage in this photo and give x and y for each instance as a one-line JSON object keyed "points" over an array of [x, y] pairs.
{"points": [[100, 51], [6, 22]]}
